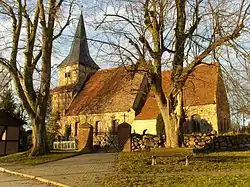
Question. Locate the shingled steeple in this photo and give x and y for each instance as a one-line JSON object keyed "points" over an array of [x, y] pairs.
{"points": [[78, 66], [79, 52]]}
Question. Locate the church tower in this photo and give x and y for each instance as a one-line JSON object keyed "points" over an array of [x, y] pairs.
{"points": [[74, 70], [78, 65]]}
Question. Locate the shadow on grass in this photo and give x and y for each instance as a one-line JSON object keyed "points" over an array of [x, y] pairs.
{"points": [[207, 150], [208, 158], [22, 158]]}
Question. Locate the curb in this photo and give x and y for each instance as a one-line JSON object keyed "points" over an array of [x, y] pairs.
{"points": [[40, 179]]}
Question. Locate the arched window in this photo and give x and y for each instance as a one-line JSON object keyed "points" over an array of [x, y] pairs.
{"points": [[114, 124], [76, 128], [98, 128]]}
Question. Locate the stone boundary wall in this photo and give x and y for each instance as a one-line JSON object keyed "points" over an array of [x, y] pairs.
{"points": [[205, 141], [213, 142], [146, 142]]}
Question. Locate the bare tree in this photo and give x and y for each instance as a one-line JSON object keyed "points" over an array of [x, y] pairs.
{"points": [[5, 79], [181, 34], [33, 30], [238, 88]]}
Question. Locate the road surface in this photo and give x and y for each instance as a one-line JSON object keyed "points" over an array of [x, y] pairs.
{"points": [[8, 180]]}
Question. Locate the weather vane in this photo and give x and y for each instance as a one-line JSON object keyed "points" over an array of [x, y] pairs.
{"points": [[81, 8]]}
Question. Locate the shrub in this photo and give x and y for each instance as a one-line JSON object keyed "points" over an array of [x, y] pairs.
{"points": [[53, 128], [160, 127]]}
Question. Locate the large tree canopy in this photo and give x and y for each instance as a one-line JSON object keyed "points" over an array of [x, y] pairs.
{"points": [[180, 34]]}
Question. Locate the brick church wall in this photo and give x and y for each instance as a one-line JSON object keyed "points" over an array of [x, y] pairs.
{"points": [[206, 112], [60, 101], [92, 119]]}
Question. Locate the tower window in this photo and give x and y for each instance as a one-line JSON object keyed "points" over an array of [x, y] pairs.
{"points": [[67, 74]]}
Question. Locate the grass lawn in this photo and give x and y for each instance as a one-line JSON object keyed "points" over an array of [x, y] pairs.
{"points": [[24, 159], [214, 169]]}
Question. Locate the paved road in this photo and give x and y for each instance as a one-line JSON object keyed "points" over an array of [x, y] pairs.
{"points": [[7, 180], [80, 171]]}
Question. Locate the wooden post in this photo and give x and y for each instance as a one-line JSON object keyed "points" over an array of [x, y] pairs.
{"points": [[153, 160], [187, 161]]}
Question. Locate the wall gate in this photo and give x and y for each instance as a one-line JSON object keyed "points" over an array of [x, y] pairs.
{"points": [[106, 142]]}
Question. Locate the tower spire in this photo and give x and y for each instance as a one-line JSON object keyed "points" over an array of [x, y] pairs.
{"points": [[79, 52]]}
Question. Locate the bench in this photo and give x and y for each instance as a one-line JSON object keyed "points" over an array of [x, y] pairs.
{"points": [[186, 158]]}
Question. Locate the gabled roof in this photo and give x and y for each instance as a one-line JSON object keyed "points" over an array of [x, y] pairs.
{"points": [[108, 90], [199, 89], [79, 52]]}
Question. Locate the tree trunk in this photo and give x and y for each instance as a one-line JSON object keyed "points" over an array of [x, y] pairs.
{"points": [[175, 119], [172, 114], [163, 110], [39, 138]]}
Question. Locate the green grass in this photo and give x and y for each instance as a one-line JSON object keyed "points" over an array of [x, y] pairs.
{"points": [[214, 169], [24, 159]]}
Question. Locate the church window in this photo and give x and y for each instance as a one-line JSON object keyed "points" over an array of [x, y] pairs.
{"points": [[67, 131], [114, 126], [67, 74], [76, 128], [98, 128]]}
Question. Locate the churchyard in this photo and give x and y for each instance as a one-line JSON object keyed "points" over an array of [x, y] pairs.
{"points": [[213, 169], [171, 168]]}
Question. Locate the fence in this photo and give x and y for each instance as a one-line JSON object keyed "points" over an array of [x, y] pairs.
{"points": [[65, 145]]}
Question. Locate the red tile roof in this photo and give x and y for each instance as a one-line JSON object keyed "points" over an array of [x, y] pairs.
{"points": [[199, 89], [108, 90]]}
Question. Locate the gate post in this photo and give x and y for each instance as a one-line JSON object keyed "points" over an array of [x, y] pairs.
{"points": [[85, 138], [124, 137]]}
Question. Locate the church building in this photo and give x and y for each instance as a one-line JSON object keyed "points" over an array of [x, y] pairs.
{"points": [[105, 98]]}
